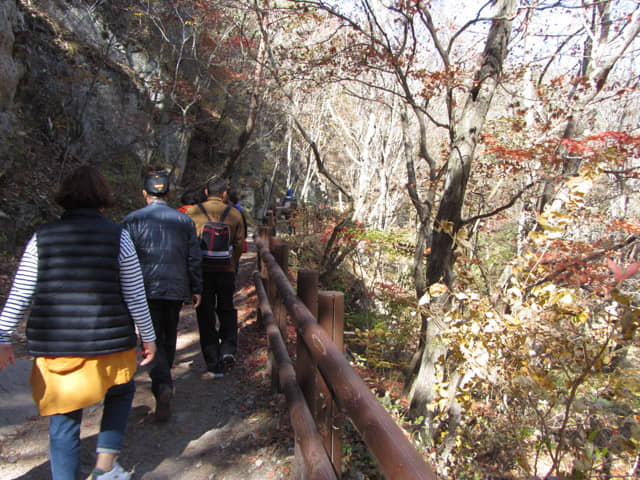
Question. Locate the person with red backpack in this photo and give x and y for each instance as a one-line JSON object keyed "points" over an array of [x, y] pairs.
{"points": [[221, 232]]}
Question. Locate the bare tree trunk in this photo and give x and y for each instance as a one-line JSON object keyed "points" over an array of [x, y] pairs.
{"points": [[244, 137], [307, 179], [465, 134], [421, 391], [602, 50], [269, 195], [423, 210]]}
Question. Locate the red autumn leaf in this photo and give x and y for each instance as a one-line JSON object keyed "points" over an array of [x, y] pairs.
{"points": [[615, 269], [620, 274]]}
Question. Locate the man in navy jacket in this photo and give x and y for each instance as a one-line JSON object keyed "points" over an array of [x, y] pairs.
{"points": [[170, 258]]}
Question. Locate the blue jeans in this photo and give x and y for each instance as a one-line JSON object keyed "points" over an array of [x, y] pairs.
{"points": [[64, 432]]}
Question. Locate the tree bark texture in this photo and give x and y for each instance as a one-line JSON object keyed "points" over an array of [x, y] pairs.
{"points": [[465, 134], [250, 124]]}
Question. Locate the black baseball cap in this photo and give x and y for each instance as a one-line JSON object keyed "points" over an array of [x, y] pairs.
{"points": [[156, 183]]}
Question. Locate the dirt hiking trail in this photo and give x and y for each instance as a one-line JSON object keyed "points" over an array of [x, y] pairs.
{"points": [[231, 428]]}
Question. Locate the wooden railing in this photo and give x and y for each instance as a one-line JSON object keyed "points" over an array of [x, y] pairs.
{"points": [[323, 386]]}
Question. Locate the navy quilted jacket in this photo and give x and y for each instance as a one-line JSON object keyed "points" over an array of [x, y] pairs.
{"points": [[168, 250]]}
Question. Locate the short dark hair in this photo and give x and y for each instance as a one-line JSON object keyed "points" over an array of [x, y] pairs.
{"points": [[216, 186], [85, 187], [193, 196], [232, 195]]}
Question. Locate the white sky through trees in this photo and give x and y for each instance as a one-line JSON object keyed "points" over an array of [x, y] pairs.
{"points": [[554, 28]]}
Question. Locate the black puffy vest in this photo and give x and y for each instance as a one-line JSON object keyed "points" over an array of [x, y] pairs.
{"points": [[77, 308]]}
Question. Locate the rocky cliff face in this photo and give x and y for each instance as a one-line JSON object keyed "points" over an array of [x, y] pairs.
{"points": [[111, 86], [90, 82], [73, 91], [9, 70]]}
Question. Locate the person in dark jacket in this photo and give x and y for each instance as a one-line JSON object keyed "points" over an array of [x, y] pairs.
{"points": [[169, 253], [288, 208], [80, 278]]}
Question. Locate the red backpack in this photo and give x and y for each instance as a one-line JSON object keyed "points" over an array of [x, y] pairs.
{"points": [[215, 242]]}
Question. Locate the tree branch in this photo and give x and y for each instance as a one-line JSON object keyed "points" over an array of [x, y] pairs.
{"points": [[589, 258], [314, 148], [499, 209]]}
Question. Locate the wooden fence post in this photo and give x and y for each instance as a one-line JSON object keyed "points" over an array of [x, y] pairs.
{"points": [[276, 307], [329, 418], [272, 290], [311, 461], [271, 221], [281, 255], [264, 234], [306, 367]]}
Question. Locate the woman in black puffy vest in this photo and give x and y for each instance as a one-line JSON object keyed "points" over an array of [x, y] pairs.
{"points": [[80, 278]]}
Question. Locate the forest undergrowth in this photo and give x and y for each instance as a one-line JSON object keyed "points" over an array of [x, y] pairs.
{"points": [[536, 378]]}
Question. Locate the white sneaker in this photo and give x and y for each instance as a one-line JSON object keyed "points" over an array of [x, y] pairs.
{"points": [[116, 473], [210, 374]]}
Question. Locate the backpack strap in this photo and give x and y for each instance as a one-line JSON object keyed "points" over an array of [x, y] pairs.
{"points": [[204, 211], [224, 214], [222, 217]]}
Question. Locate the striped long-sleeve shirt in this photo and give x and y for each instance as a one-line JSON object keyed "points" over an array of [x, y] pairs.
{"points": [[26, 279]]}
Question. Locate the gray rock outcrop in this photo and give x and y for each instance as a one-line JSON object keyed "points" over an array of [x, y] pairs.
{"points": [[9, 69]]}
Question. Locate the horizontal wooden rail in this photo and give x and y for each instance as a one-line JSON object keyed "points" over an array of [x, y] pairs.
{"points": [[316, 462], [396, 456]]}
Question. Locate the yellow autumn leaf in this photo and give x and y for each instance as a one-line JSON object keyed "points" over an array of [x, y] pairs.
{"points": [[513, 321], [582, 317], [445, 226], [462, 234], [539, 238], [438, 289], [579, 185], [462, 238], [544, 381], [566, 303], [547, 224]]}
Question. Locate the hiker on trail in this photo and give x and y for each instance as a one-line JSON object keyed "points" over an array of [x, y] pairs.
{"points": [[191, 197], [169, 253], [289, 203], [221, 234], [81, 280], [288, 207]]}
